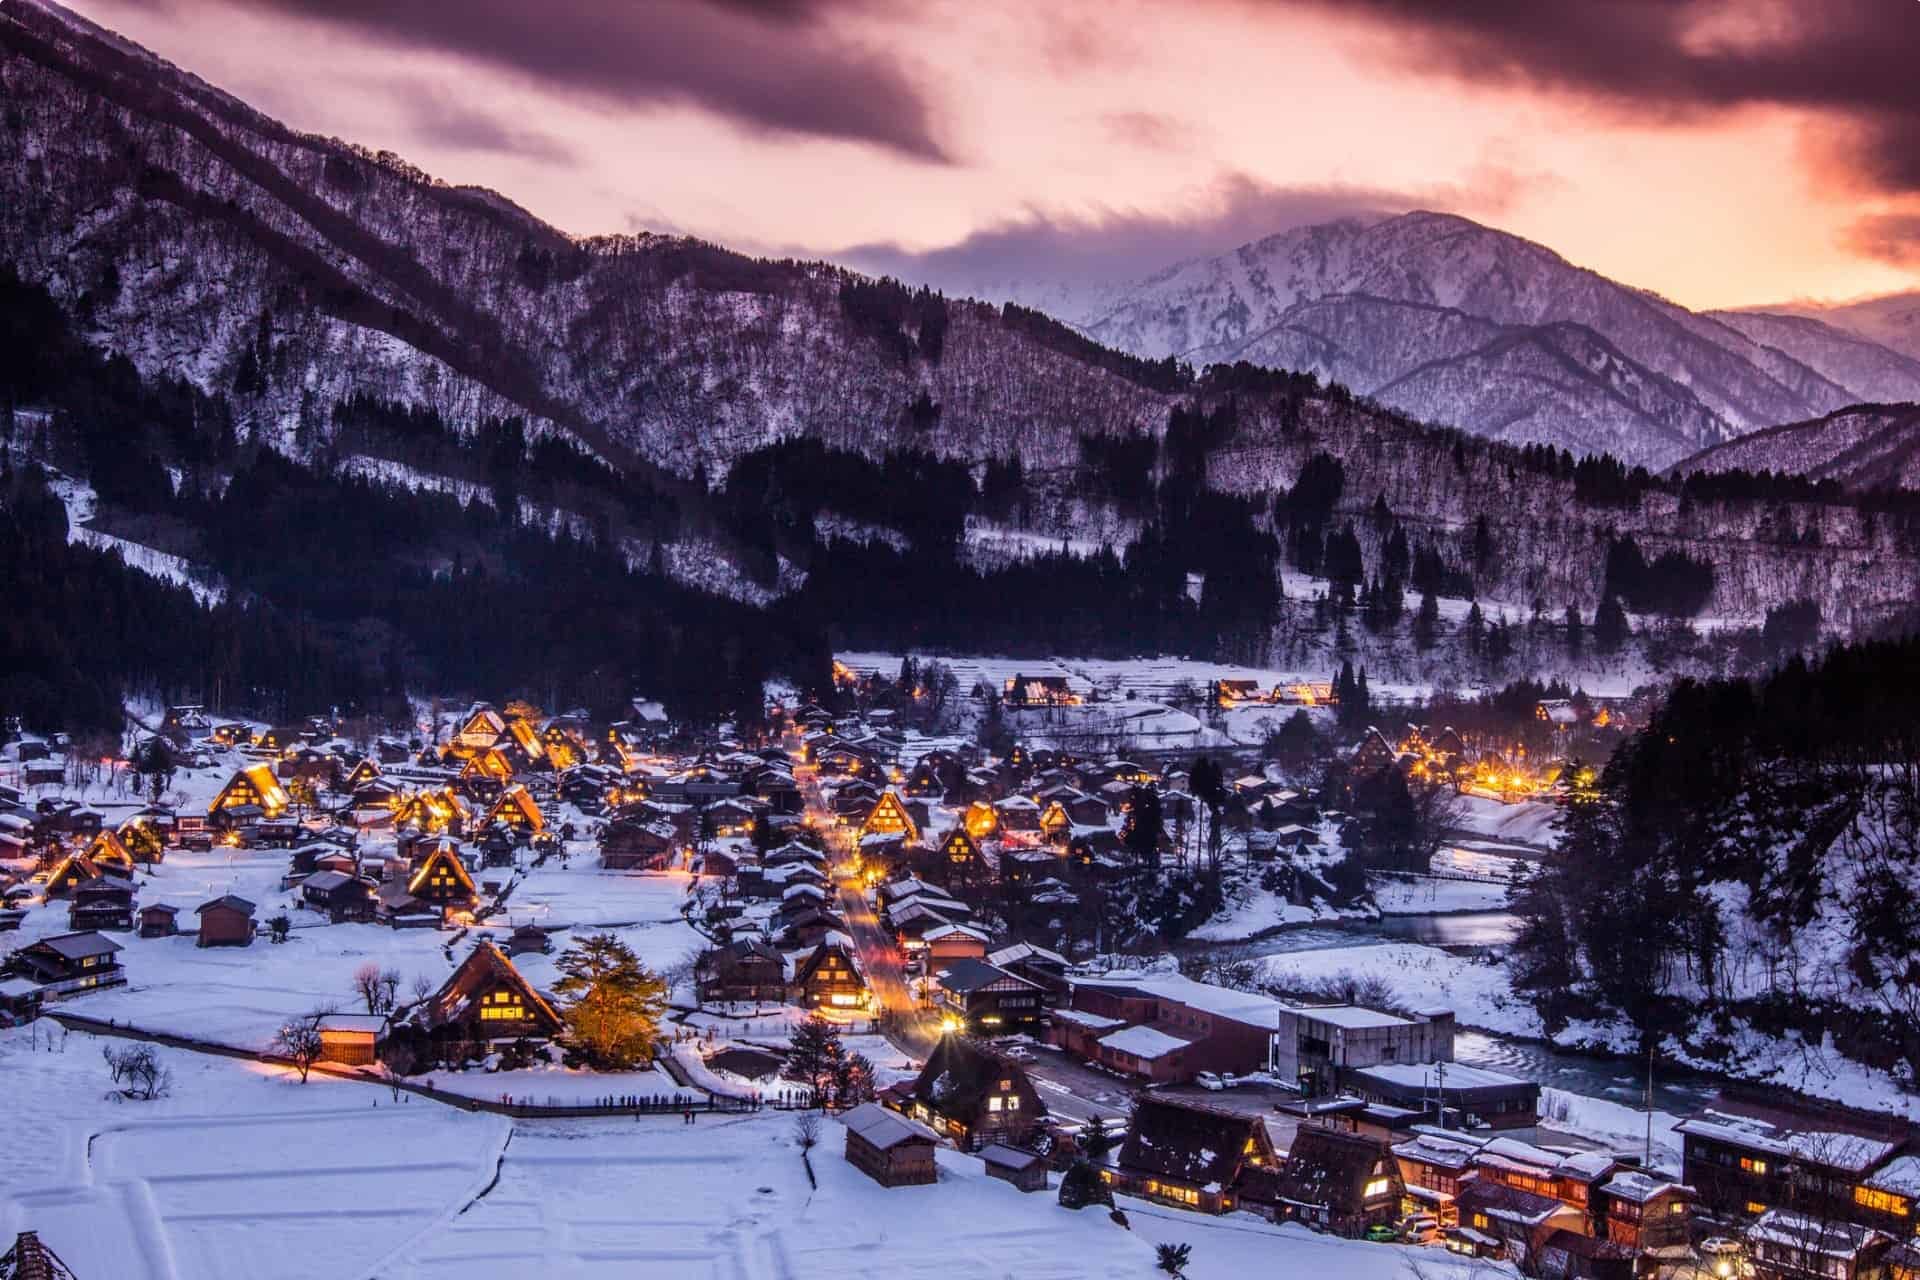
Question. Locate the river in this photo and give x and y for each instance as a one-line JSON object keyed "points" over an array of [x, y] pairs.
{"points": [[1593, 1075]]}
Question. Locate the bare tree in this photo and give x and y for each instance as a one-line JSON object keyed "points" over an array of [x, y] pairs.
{"points": [[366, 985], [389, 990], [421, 987], [396, 1060], [806, 1130], [299, 1041], [139, 1071]]}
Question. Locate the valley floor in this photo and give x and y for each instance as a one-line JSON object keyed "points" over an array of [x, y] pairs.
{"points": [[243, 1172]]}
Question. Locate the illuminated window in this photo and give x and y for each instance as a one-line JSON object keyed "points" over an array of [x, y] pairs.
{"points": [[993, 1104], [1013, 1104], [1676, 1207], [1750, 1164], [1754, 1206], [1480, 1221], [1375, 1187], [1883, 1201]]}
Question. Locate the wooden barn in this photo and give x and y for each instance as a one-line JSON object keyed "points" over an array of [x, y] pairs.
{"points": [[350, 1039], [69, 873], [491, 765], [159, 920], [486, 999], [1026, 1170], [889, 1148], [227, 921]]}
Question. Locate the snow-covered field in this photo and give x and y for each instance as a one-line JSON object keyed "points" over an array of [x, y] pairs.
{"points": [[1419, 896], [244, 1173], [1420, 977]]}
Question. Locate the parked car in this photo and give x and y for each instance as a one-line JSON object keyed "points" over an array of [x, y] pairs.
{"points": [[1381, 1233], [1209, 1081], [1420, 1228]]}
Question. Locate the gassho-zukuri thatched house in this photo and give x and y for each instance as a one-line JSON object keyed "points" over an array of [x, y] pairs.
{"points": [[487, 999]]}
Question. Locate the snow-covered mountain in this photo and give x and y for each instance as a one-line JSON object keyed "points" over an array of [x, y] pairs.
{"points": [[288, 274], [1892, 321], [1455, 322], [1868, 446]]}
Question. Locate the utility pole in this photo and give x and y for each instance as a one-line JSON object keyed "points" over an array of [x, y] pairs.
{"points": [[1440, 1089], [1647, 1158]]}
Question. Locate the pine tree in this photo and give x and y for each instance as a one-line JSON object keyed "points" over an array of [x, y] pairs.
{"points": [[1426, 623], [614, 1003], [1576, 634], [1610, 626], [1476, 630], [815, 1056]]}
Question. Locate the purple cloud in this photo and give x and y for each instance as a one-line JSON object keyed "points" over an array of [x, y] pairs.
{"points": [[770, 66]]}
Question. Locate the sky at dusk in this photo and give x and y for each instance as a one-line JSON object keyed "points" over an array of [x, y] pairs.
{"points": [[1722, 152]]}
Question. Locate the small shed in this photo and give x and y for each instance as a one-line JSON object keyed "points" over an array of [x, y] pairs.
{"points": [[227, 921], [891, 1149], [1024, 1169], [350, 1039], [157, 920]]}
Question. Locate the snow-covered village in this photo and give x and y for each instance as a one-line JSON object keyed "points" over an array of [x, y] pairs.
{"points": [[816, 640]]}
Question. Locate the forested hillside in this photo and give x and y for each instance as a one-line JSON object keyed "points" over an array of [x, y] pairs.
{"points": [[1748, 862], [474, 452]]}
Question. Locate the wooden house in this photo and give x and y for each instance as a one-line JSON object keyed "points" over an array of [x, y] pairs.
{"points": [[1505, 1222], [1643, 1212], [70, 964], [744, 969], [109, 852], [341, 894], [986, 1000], [633, 844], [251, 792], [889, 817], [366, 772], [102, 903], [69, 873], [441, 878], [1790, 1246], [481, 729], [1191, 1155], [1568, 1255], [947, 943], [982, 821], [974, 1096], [350, 1039], [1338, 1182], [159, 920], [227, 921], [830, 978], [1373, 753], [487, 999], [516, 811], [282, 738], [490, 766], [1039, 691], [433, 811]]}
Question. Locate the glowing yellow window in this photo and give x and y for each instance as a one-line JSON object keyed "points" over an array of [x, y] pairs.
{"points": [[1750, 1164], [1375, 1187], [1754, 1206], [1883, 1201]]}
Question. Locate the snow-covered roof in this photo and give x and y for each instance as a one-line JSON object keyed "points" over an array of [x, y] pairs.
{"points": [[1091, 1021], [1353, 1017], [883, 1128], [1632, 1184], [1451, 1075], [1026, 951], [1901, 1176], [1240, 1006], [1144, 1042]]}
